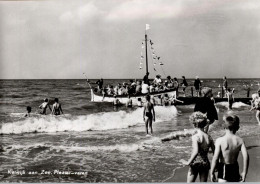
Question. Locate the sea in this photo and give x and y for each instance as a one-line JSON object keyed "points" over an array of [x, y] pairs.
{"points": [[95, 142]]}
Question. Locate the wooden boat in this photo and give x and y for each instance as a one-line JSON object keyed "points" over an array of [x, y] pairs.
{"points": [[156, 96]]}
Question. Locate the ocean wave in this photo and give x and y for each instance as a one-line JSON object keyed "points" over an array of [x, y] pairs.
{"points": [[176, 135], [236, 105], [147, 143], [99, 121]]}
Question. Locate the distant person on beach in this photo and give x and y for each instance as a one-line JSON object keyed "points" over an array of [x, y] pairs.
{"points": [[225, 84], [201, 142], [129, 102], [206, 105], [230, 97], [184, 84], [227, 151], [197, 85], [149, 114], [44, 106], [56, 108], [29, 110]]}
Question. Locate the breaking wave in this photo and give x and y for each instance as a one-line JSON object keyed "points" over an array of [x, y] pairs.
{"points": [[99, 121]]}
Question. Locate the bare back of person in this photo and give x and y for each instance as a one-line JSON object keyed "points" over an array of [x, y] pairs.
{"points": [[148, 109], [230, 148]]}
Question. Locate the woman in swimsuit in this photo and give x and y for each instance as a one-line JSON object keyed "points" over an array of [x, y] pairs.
{"points": [[56, 109], [201, 142]]}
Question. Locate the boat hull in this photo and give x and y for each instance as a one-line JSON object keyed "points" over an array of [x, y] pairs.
{"points": [[157, 98], [123, 99]]}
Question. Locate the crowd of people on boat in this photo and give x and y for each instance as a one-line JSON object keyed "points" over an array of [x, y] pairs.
{"points": [[140, 87]]}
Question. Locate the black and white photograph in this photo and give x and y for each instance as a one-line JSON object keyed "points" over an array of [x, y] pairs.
{"points": [[127, 91]]}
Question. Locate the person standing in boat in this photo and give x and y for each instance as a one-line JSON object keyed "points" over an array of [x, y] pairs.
{"points": [[145, 88], [148, 114], [56, 108], [176, 85], [197, 85], [100, 84], [206, 105], [146, 79], [170, 82], [184, 85], [157, 79]]}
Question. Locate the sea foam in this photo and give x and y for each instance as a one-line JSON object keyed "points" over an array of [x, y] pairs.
{"points": [[99, 121]]}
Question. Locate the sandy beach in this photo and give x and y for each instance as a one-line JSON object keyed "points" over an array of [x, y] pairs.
{"points": [[253, 147]]}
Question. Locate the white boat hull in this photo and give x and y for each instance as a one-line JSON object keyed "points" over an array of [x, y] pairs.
{"points": [[135, 99]]}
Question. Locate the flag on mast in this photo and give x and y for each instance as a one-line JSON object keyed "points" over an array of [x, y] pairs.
{"points": [[147, 26]]}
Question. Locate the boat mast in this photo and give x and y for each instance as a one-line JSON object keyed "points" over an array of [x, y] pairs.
{"points": [[146, 53]]}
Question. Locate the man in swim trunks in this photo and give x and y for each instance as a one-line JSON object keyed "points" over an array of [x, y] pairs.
{"points": [[227, 151], [149, 114], [56, 109]]}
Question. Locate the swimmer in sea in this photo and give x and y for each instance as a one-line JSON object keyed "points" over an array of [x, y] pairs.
{"points": [[56, 108], [29, 110], [44, 106], [149, 114]]}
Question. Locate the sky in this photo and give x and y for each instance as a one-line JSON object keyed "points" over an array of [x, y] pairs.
{"points": [[62, 39]]}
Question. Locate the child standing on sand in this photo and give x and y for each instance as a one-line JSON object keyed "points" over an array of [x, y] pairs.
{"points": [[201, 142], [227, 151]]}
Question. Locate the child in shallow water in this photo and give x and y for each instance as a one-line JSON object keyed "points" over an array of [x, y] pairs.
{"points": [[201, 142]]}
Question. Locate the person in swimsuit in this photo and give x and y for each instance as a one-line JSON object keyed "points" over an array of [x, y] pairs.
{"points": [[201, 142], [56, 108], [44, 106], [149, 114], [255, 104], [227, 151]]}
